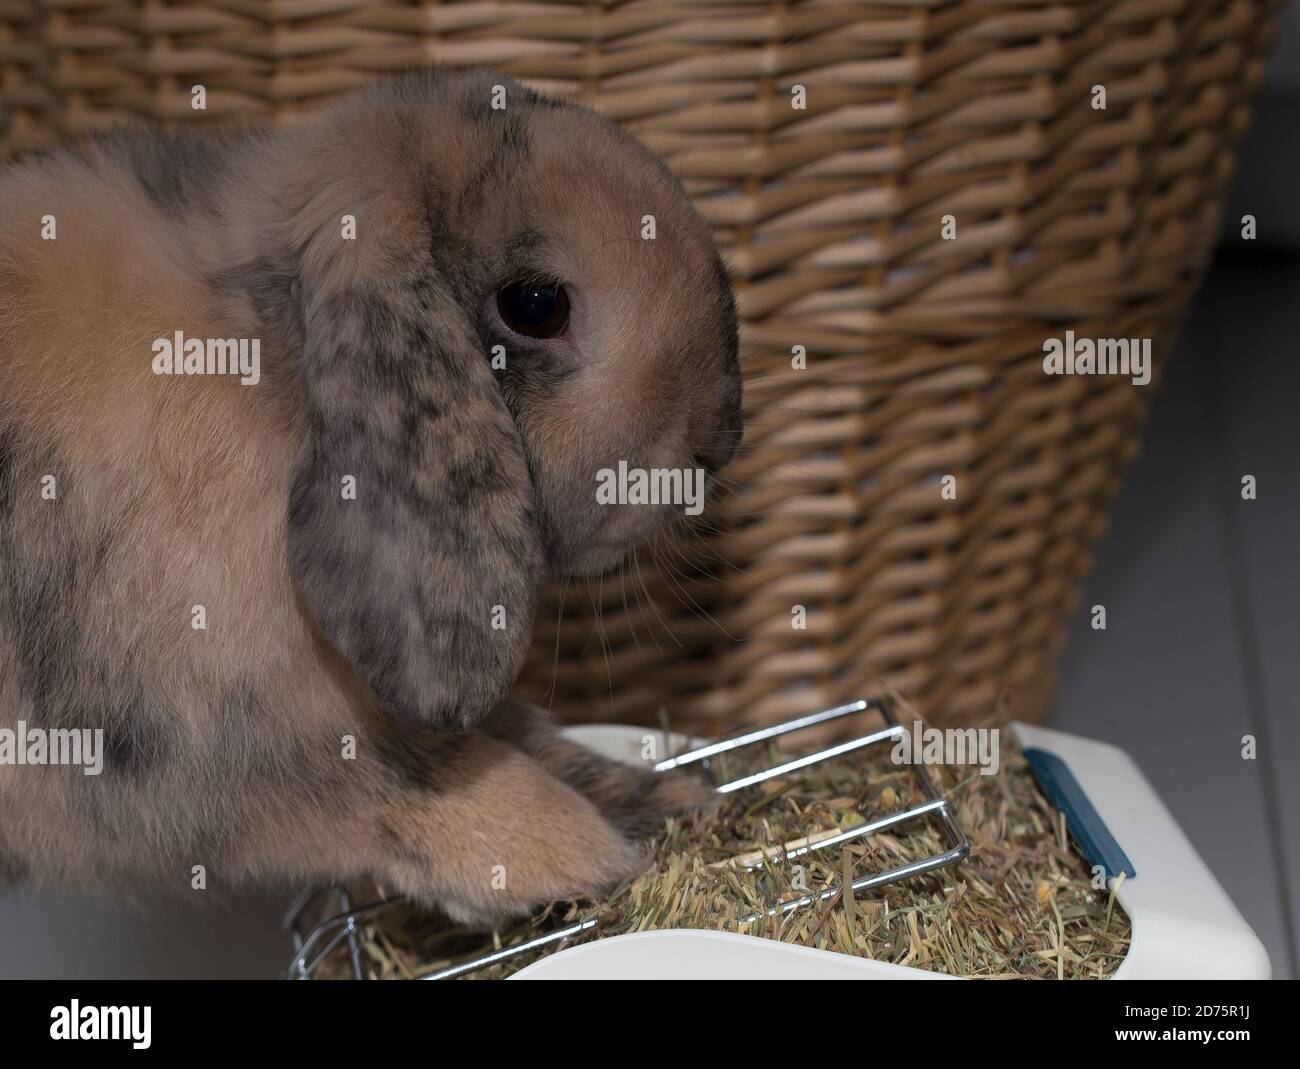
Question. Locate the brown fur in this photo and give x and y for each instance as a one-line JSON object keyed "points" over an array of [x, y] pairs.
{"points": [[329, 619]]}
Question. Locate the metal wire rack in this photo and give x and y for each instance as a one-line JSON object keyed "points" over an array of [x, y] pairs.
{"points": [[343, 920]]}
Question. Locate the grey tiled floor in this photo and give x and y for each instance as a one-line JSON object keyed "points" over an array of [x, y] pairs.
{"points": [[1202, 647], [1202, 592]]}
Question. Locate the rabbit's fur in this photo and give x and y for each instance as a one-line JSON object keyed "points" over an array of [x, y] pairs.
{"points": [[329, 618]]}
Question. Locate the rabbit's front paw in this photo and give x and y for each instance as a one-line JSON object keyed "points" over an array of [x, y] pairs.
{"points": [[634, 799], [501, 837]]}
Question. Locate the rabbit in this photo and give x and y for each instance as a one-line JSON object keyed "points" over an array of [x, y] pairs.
{"points": [[295, 598]]}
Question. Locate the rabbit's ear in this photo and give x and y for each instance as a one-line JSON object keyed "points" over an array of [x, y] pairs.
{"points": [[413, 532]]}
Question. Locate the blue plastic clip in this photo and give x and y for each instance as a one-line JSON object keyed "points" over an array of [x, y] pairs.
{"points": [[1085, 823]]}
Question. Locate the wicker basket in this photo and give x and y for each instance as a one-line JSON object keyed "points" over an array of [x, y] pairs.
{"points": [[924, 355]]}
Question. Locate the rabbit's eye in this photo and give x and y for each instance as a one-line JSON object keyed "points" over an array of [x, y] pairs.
{"points": [[534, 309]]}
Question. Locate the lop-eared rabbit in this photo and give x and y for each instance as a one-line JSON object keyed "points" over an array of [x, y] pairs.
{"points": [[294, 598]]}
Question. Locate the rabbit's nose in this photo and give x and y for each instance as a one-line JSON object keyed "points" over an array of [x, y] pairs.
{"points": [[732, 429], [717, 421], [721, 447]]}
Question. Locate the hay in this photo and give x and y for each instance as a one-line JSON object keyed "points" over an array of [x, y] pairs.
{"points": [[1022, 904]]}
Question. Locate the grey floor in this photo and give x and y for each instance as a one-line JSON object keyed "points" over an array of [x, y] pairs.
{"points": [[1202, 647], [1202, 592]]}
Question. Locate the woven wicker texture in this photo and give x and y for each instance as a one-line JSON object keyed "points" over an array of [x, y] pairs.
{"points": [[924, 355]]}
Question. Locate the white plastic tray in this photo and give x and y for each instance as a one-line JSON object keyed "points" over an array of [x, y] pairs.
{"points": [[1184, 924]]}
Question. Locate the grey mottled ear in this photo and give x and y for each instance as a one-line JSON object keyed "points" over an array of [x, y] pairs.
{"points": [[427, 581]]}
